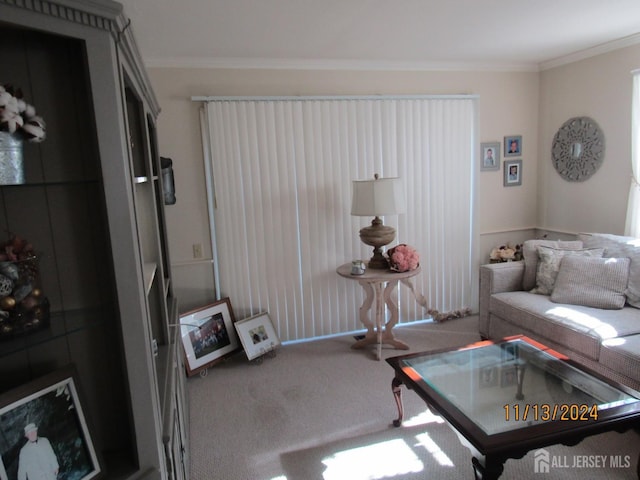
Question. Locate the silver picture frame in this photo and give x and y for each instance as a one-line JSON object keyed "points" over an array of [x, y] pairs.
{"points": [[490, 156], [512, 173], [257, 335], [512, 146]]}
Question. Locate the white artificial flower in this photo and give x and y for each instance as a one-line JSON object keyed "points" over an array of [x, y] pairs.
{"points": [[12, 105], [34, 129], [30, 111], [17, 116], [11, 119], [5, 98]]}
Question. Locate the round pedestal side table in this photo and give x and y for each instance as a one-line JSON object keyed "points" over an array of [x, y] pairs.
{"points": [[379, 285]]}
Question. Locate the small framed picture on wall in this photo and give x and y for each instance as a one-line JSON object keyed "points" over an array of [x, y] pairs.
{"points": [[513, 146], [512, 173], [490, 156]]}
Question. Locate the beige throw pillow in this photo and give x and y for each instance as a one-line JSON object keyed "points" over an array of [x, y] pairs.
{"points": [[617, 246], [592, 282], [549, 264], [530, 256]]}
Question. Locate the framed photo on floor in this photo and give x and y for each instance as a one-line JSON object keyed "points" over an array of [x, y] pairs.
{"points": [[257, 335], [208, 335], [46, 416]]}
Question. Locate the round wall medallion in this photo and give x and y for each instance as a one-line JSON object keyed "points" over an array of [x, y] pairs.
{"points": [[578, 149]]}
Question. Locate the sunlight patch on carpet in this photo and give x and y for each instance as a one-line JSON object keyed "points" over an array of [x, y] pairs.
{"points": [[422, 419], [372, 462], [432, 447]]}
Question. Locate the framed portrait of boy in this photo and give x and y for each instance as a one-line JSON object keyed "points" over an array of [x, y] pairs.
{"points": [[490, 156], [512, 173], [513, 146]]}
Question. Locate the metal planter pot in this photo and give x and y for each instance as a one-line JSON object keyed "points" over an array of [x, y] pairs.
{"points": [[11, 160]]}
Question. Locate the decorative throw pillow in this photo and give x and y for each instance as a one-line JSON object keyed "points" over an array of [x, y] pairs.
{"points": [[620, 247], [530, 255], [592, 282], [549, 264]]}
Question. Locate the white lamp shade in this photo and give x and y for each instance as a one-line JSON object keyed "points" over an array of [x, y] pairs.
{"points": [[383, 196]]}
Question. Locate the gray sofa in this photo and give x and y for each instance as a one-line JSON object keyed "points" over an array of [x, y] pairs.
{"points": [[591, 310]]}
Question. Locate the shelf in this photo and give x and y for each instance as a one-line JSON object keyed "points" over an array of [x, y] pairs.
{"points": [[61, 325], [167, 287], [166, 390], [55, 183], [118, 466], [149, 272], [167, 368]]}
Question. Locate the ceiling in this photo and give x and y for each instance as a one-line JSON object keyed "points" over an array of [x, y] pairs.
{"points": [[379, 34]]}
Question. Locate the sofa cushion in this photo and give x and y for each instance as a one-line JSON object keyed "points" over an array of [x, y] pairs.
{"points": [[622, 355], [578, 327], [619, 246], [549, 265], [530, 256], [593, 282]]}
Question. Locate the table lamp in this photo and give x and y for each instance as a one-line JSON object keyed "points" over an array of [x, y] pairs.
{"points": [[377, 197]]}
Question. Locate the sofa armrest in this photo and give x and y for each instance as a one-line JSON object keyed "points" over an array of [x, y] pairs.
{"points": [[497, 278]]}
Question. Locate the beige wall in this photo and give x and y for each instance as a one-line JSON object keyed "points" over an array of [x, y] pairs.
{"points": [[508, 105], [601, 88], [531, 104]]}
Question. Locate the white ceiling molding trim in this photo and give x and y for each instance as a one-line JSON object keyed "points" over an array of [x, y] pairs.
{"points": [[302, 64], [592, 52]]}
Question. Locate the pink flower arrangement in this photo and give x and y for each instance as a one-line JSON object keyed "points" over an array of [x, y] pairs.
{"points": [[403, 258]]}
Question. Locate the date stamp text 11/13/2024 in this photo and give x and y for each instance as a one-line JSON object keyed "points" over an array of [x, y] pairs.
{"points": [[547, 412]]}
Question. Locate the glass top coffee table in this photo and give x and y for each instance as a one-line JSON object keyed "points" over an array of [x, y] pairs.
{"points": [[507, 398]]}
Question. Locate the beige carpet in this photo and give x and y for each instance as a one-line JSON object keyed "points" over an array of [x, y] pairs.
{"points": [[320, 410]]}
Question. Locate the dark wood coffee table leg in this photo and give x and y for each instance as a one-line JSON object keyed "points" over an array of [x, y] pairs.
{"points": [[396, 388], [489, 469]]}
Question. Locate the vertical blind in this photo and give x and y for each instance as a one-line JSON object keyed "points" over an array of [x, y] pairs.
{"points": [[632, 225], [282, 170]]}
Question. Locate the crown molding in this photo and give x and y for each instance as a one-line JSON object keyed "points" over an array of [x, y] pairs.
{"points": [[331, 64], [381, 65], [102, 15], [591, 52]]}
